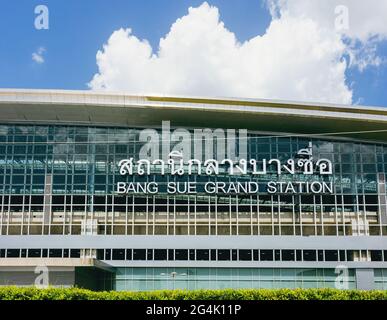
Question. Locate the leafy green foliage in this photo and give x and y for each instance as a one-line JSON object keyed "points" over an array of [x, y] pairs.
{"points": [[31, 293]]}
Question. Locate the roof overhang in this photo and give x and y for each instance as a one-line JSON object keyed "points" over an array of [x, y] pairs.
{"points": [[123, 110]]}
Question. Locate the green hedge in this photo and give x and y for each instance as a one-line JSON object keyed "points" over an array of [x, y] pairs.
{"points": [[17, 293]]}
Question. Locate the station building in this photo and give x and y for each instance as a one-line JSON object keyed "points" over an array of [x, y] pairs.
{"points": [[60, 210]]}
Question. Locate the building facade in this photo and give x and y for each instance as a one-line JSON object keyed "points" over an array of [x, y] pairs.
{"points": [[61, 211]]}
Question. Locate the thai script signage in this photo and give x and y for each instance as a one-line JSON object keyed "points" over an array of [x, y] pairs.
{"points": [[302, 164]]}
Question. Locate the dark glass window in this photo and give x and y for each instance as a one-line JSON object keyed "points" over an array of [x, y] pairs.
{"points": [[149, 254], [234, 255], [288, 255], [309, 255], [213, 254], [34, 253], [299, 255], [118, 254], [245, 255], [181, 254], [108, 254], [66, 253], [100, 254], [192, 254], [320, 254], [75, 253], [224, 255], [350, 255], [331, 255], [342, 255], [44, 253], [160, 254], [55, 253], [139, 254], [202, 254], [376, 255], [255, 255], [277, 255], [266, 255]]}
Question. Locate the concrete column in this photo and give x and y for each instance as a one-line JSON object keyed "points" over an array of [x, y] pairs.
{"points": [[382, 197], [47, 199], [365, 279]]}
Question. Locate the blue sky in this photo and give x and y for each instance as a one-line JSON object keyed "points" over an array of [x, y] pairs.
{"points": [[78, 29]]}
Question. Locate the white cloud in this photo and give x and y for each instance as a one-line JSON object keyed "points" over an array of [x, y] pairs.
{"points": [[367, 19], [365, 29], [37, 56], [300, 56]]}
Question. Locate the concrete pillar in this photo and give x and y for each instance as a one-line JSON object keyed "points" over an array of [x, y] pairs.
{"points": [[365, 279], [47, 200]]}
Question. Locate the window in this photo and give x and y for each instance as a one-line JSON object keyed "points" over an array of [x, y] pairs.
{"points": [[108, 254], [266, 255], [118, 254], [55, 253], [34, 253], [376, 255], [256, 255], [320, 254], [181, 254], [100, 254], [202, 255], [245, 255], [309, 255], [288, 255], [342, 255], [331, 255], [75, 253], [234, 255], [192, 254], [224, 255], [277, 255], [139, 254], [160, 254], [350, 255]]}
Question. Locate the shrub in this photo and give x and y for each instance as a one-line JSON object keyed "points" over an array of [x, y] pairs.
{"points": [[31, 293]]}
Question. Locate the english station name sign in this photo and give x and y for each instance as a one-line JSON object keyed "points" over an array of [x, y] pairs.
{"points": [[303, 165]]}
